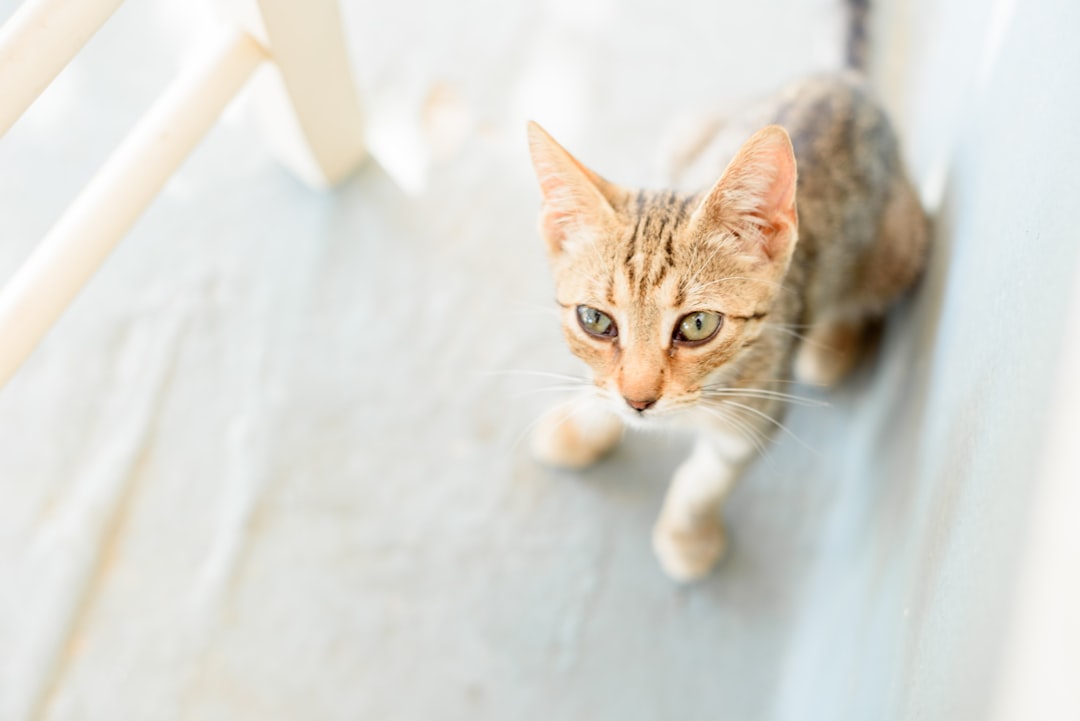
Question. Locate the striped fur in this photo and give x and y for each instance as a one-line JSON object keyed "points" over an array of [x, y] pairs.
{"points": [[808, 236]]}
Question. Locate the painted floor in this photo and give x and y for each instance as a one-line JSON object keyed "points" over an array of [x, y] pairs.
{"points": [[271, 463]]}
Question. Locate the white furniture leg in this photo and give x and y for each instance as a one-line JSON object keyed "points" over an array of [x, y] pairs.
{"points": [[37, 42], [311, 114], [309, 110], [92, 226]]}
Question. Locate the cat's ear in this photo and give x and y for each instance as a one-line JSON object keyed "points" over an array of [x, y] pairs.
{"points": [[577, 202], [754, 200]]}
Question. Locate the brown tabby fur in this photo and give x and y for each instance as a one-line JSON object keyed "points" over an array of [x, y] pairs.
{"points": [[819, 257]]}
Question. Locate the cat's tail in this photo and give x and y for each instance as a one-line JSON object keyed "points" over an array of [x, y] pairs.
{"points": [[857, 34]]}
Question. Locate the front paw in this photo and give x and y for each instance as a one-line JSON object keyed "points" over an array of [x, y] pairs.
{"points": [[568, 440], [688, 552]]}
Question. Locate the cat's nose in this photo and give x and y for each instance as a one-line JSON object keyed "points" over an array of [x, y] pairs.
{"points": [[640, 406]]}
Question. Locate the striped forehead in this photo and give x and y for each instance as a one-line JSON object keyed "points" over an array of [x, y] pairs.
{"points": [[646, 254]]}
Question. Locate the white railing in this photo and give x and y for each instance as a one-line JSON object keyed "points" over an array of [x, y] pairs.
{"points": [[310, 106]]}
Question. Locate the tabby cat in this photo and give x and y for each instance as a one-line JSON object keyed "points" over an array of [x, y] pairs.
{"points": [[678, 301]]}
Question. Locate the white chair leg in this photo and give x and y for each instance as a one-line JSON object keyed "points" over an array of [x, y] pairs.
{"points": [[308, 104], [37, 42], [94, 223], [310, 110]]}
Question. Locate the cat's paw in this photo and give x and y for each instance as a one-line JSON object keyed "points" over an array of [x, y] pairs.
{"points": [[689, 552], [828, 353], [568, 440]]}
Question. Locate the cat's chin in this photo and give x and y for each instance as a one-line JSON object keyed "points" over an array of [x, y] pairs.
{"points": [[683, 418], [650, 420]]}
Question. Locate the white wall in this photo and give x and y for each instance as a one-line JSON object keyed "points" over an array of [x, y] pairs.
{"points": [[914, 623]]}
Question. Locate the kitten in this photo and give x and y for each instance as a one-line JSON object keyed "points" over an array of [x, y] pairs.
{"points": [[683, 304]]}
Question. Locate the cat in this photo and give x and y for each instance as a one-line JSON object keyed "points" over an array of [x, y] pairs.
{"points": [[685, 305]]}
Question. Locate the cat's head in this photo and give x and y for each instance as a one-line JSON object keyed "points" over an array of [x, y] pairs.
{"points": [[663, 294]]}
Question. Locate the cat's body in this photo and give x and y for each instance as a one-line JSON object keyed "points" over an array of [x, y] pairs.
{"points": [[698, 308]]}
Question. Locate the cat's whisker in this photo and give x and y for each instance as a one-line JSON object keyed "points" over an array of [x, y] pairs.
{"points": [[759, 381], [784, 328], [796, 334], [770, 419], [767, 394], [572, 408], [538, 374], [725, 386], [804, 402], [776, 380], [565, 388], [758, 439], [794, 326], [752, 435]]}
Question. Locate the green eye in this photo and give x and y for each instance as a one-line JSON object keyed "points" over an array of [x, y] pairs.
{"points": [[697, 327], [596, 322]]}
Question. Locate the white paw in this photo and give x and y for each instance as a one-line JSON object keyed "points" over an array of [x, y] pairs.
{"points": [[571, 441], [688, 553]]}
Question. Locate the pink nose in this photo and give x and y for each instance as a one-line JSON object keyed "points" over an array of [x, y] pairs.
{"points": [[640, 406]]}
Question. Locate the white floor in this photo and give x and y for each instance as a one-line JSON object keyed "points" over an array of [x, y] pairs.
{"points": [[268, 465]]}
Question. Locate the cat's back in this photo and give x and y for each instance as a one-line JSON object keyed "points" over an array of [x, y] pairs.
{"points": [[847, 155], [860, 222], [862, 234]]}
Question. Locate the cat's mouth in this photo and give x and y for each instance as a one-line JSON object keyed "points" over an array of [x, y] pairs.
{"points": [[652, 414], [640, 419], [664, 412]]}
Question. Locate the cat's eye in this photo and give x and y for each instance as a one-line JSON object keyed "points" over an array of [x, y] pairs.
{"points": [[595, 322], [698, 327]]}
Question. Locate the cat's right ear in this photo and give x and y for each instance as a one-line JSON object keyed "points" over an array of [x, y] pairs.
{"points": [[754, 201], [578, 203]]}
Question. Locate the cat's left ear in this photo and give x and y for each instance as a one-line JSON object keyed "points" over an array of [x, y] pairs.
{"points": [[578, 203], [753, 203]]}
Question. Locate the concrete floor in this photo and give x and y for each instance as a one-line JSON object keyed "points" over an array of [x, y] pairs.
{"points": [[269, 466]]}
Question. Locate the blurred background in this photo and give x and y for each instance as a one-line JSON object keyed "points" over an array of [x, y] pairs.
{"points": [[270, 464]]}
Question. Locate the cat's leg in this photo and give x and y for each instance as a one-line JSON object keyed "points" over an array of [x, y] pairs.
{"points": [[829, 351], [576, 434], [897, 259], [834, 344], [689, 537]]}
